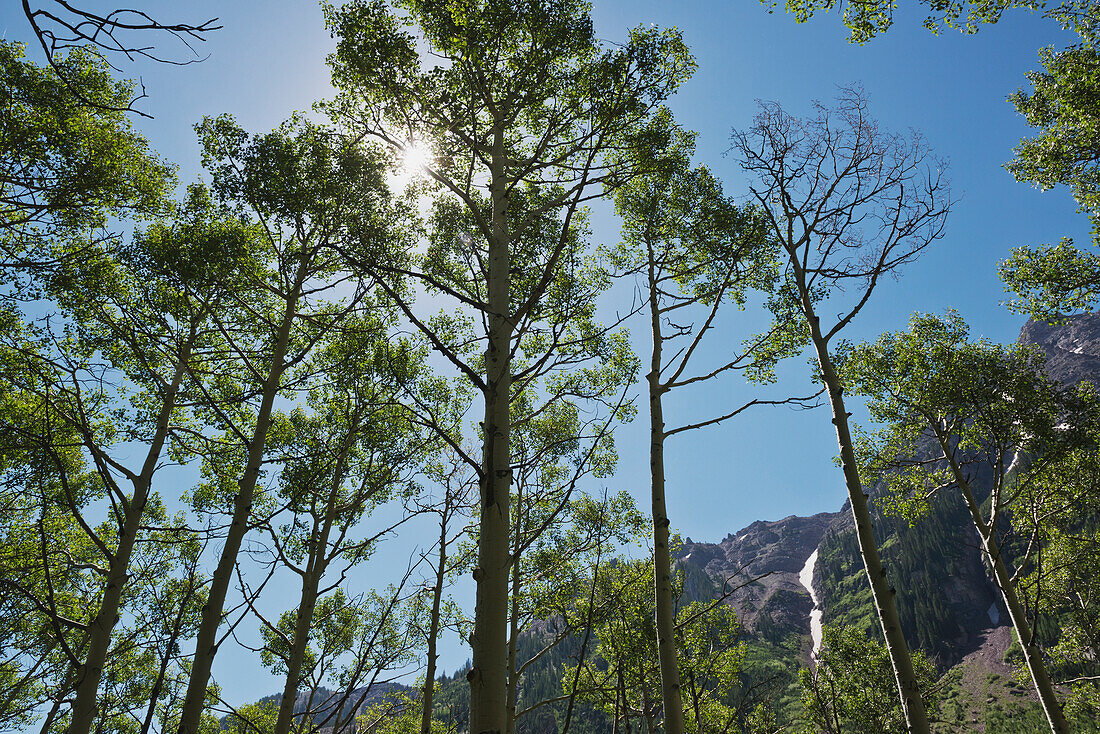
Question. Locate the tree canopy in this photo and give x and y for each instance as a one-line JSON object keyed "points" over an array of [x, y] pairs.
{"points": [[377, 360]]}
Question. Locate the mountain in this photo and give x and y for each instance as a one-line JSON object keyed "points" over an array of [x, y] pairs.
{"points": [[947, 602], [766, 558], [948, 605], [1072, 348], [324, 703]]}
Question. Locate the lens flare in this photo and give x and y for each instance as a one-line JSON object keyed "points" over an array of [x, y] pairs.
{"points": [[412, 159]]}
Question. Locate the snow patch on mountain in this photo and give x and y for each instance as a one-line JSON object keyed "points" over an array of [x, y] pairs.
{"points": [[806, 578]]}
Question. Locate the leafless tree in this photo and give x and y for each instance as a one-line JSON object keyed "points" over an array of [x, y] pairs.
{"points": [[850, 204], [60, 25]]}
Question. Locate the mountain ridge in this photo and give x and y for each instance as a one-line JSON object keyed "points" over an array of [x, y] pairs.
{"points": [[970, 608]]}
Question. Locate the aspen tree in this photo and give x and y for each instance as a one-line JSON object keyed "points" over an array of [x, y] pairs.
{"points": [[849, 204], [520, 110], [697, 253], [980, 408], [305, 190], [137, 318], [348, 451]]}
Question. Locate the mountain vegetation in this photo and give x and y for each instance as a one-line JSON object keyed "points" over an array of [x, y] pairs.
{"points": [[220, 401]]}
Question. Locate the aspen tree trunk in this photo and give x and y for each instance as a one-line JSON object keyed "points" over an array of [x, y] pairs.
{"points": [[1032, 656], [162, 671], [206, 644], [513, 628], [68, 684], [84, 708], [489, 675], [311, 579], [433, 629], [101, 628], [620, 692], [648, 712], [662, 558], [151, 711], [513, 636], [47, 723], [298, 646], [916, 718]]}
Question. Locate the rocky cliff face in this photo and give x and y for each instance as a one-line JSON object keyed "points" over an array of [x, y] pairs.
{"points": [[948, 601], [949, 606], [1072, 348], [765, 557]]}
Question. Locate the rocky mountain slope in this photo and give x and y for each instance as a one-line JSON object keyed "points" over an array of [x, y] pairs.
{"points": [[948, 605], [1072, 348], [767, 557]]}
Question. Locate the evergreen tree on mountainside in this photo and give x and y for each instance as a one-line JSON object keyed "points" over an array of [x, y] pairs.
{"points": [[935, 561]]}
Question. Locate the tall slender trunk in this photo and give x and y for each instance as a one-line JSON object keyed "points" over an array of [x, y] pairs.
{"points": [[306, 605], [68, 684], [513, 641], [664, 621], [647, 708], [102, 627], [206, 643], [620, 694], [513, 622], [47, 723], [916, 718], [166, 660], [615, 713], [311, 579], [489, 676], [433, 628], [1032, 655]]}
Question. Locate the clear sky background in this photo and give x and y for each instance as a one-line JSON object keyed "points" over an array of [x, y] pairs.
{"points": [[269, 61]]}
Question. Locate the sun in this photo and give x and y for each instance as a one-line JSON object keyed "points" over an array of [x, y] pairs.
{"points": [[412, 159], [416, 155]]}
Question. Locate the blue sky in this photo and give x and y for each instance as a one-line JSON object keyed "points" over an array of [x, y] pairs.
{"points": [[268, 61]]}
